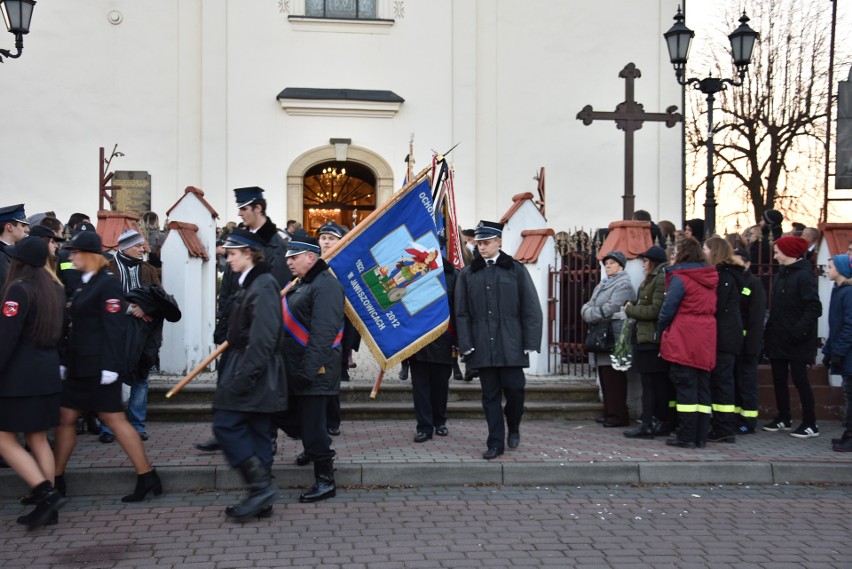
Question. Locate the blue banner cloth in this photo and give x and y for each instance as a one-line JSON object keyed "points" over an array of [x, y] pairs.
{"points": [[392, 273]]}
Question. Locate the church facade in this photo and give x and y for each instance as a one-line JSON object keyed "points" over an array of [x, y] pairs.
{"points": [[316, 101]]}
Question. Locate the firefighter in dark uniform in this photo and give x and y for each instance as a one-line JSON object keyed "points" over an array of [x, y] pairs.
{"points": [[753, 306], [431, 368], [94, 356], [252, 384], [252, 211], [313, 320], [498, 321], [13, 227], [327, 235]]}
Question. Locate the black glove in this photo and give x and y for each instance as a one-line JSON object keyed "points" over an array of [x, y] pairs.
{"points": [[220, 333], [826, 360]]}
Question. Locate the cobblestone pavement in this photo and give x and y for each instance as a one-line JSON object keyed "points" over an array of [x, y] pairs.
{"points": [[771, 527]]}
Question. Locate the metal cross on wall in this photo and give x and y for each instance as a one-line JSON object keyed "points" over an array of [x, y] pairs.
{"points": [[629, 116]]}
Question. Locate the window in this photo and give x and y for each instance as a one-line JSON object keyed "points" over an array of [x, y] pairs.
{"points": [[341, 9]]}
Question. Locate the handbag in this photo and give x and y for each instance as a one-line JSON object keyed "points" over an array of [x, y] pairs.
{"points": [[599, 337]]}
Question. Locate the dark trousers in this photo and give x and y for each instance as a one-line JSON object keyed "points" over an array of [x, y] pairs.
{"points": [[692, 386], [243, 435], [799, 372], [746, 395], [496, 383], [430, 385], [315, 439], [657, 394], [332, 412], [614, 389], [847, 393], [722, 394]]}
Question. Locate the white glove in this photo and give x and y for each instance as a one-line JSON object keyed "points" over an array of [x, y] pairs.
{"points": [[108, 377], [63, 372]]}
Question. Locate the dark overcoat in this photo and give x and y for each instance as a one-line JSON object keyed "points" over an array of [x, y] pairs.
{"points": [[729, 319], [838, 346], [25, 369], [498, 315], [791, 330], [316, 303], [96, 336], [252, 378]]}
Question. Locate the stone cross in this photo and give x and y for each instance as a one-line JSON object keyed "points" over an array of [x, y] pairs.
{"points": [[629, 116]]}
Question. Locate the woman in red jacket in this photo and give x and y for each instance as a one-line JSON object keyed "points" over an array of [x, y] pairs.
{"points": [[688, 341]]}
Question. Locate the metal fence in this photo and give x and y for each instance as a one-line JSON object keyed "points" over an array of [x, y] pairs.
{"points": [[575, 276]]}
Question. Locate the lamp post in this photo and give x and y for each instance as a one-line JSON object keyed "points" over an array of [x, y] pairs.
{"points": [[16, 15], [742, 40]]}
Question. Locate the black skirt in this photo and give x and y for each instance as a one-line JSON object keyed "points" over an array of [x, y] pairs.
{"points": [[29, 414], [87, 394]]}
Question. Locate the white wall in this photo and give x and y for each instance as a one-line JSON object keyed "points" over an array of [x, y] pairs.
{"points": [[187, 89]]}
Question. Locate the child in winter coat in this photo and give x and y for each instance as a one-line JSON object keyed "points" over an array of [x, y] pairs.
{"points": [[838, 347]]}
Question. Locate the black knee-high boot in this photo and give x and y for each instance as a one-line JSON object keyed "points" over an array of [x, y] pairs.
{"points": [[324, 487], [261, 492]]}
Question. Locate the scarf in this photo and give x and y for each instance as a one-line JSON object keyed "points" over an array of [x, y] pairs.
{"points": [[128, 270]]}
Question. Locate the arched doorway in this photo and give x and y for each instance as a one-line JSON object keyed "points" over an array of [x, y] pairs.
{"points": [[342, 192], [356, 157]]}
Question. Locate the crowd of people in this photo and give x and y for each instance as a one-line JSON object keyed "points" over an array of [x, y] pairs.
{"points": [[698, 327], [700, 324]]}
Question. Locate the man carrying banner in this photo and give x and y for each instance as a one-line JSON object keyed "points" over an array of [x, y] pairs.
{"points": [[313, 321], [498, 321]]}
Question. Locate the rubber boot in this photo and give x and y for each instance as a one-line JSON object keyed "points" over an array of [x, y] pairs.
{"points": [[261, 492], [48, 502], [144, 484], [324, 487]]}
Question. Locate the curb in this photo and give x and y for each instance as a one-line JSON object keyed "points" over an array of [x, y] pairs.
{"points": [[119, 481]]}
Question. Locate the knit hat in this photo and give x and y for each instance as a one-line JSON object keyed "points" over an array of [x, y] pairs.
{"points": [[616, 256], [773, 217], [841, 263], [791, 246], [30, 250], [128, 239]]}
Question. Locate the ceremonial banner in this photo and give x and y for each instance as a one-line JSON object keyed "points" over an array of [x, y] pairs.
{"points": [[391, 270], [444, 200]]}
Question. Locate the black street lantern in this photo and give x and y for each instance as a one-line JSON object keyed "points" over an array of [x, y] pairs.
{"points": [[16, 15], [742, 40]]}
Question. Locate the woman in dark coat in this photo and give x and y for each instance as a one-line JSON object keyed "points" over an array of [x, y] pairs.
{"points": [[688, 339], [791, 335], [94, 356], [837, 351], [31, 329], [252, 383], [431, 368], [657, 390], [606, 303], [729, 338]]}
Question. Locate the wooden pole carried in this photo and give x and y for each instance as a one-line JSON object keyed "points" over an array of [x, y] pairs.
{"points": [[191, 375], [377, 385], [216, 353]]}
